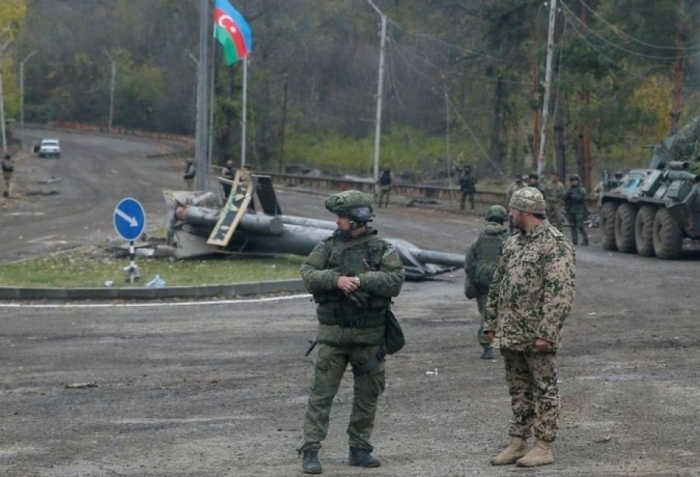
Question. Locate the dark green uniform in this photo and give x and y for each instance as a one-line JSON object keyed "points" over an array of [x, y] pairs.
{"points": [[351, 329], [480, 265], [576, 211]]}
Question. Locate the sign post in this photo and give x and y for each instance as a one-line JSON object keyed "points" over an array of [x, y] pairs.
{"points": [[129, 222]]}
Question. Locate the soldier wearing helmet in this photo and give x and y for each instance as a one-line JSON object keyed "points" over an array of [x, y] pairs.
{"points": [[576, 209], [480, 264], [531, 295], [353, 275], [188, 175], [467, 187], [385, 184], [553, 191]]}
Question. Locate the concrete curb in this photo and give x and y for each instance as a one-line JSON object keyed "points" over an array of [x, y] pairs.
{"points": [[143, 293]]}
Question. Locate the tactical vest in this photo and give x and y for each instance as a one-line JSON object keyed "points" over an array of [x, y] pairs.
{"points": [[576, 195], [385, 178], [351, 259], [488, 250]]}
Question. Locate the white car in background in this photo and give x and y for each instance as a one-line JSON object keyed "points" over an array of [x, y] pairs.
{"points": [[50, 147]]}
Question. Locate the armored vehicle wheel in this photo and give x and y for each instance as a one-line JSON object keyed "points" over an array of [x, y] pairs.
{"points": [[668, 235], [624, 228], [644, 230], [607, 225]]}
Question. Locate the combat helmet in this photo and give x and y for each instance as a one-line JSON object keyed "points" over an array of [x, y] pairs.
{"points": [[575, 177], [528, 199], [496, 213], [355, 205]]}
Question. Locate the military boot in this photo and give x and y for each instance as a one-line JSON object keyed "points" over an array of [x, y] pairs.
{"points": [[488, 353], [310, 463], [362, 458], [540, 454], [515, 450]]}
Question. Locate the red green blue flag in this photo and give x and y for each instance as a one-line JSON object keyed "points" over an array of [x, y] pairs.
{"points": [[232, 31]]}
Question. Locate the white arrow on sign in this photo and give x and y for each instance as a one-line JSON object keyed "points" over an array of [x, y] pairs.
{"points": [[132, 220]]}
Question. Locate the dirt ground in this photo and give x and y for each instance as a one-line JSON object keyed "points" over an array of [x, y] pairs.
{"points": [[219, 388]]}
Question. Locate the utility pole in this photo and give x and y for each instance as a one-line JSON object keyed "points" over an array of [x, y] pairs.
{"points": [[380, 85], [21, 96], [284, 123], [202, 97], [547, 84], [3, 47], [111, 92]]}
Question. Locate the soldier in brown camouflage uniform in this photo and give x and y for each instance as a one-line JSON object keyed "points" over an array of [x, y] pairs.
{"points": [[530, 297], [553, 193], [353, 275]]}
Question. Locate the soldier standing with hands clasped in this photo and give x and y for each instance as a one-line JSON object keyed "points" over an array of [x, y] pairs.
{"points": [[188, 176], [530, 298], [353, 275], [576, 210]]}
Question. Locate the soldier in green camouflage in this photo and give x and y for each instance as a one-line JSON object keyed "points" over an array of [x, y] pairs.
{"points": [[353, 275], [480, 264], [531, 295], [576, 210], [553, 194]]}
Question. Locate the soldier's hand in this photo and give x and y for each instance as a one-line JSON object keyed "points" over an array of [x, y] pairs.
{"points": [[348, 284], [542, 344], [491, 335]]}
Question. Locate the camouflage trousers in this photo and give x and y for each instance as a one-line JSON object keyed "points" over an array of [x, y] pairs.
{"points": [[576, 221], [482, 294], [534, 393], [554, 214], [384, 193], [331, 363], [463, 199]]}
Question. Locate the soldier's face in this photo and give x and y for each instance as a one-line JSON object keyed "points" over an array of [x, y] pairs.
{"points": [[343, 223], [516, 217]]}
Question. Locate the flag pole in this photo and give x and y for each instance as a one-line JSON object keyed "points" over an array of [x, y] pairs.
{"points": [[202, 98], [244, 116]]}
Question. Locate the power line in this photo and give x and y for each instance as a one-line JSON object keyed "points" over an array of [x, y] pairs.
{"points": [[626, 35], [623, 49]]}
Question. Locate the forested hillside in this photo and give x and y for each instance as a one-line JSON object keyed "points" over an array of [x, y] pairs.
{"points": [[463, 78]]}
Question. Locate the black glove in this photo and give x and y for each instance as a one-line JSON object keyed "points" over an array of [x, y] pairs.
{"points": [[360, 299]]}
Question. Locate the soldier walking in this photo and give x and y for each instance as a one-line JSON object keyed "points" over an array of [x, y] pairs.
{"points": [[7, 170], [576, 210], [553, 195], [530, 298], [480, 265], [353, 276], [467, 186], [188, 176]]}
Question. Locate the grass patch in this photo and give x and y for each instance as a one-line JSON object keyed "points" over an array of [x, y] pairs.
{"points": [[92, 267]]}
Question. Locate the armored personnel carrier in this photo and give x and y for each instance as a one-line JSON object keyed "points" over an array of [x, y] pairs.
{"points": [[655, 209]]}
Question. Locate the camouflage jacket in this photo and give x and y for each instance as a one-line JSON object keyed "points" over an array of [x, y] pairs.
{"points": [[378, 266], [553, 192], [482, 256], [575, 200], [532, 290]]}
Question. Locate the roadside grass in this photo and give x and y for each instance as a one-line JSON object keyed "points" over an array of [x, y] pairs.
{"points": [[91, 267]]}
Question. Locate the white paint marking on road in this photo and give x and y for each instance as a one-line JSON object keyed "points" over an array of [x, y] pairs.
{"points": [[41, 239], [31, 214], [151, 305]]}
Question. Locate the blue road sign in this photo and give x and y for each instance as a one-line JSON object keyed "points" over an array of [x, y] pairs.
{"points": [[129, 219]]}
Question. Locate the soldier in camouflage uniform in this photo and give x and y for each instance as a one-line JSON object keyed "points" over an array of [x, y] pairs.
{"points": [[480, 264], [353, 275], [553, 194], [576, 210], [7, 170], [530, 297], [467, 186]]}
